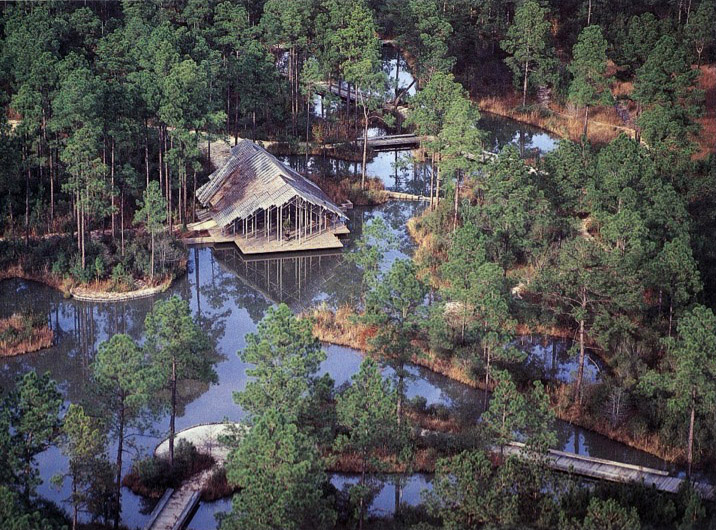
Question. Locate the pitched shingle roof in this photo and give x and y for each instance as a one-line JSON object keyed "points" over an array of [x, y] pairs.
{"points": [[254, 179]]}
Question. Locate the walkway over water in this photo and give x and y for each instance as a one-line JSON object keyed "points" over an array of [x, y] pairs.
{"points": [[176, 507], [612, 471]]}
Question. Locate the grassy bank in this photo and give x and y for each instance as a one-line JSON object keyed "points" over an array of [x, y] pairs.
{"points": [[340, 328], [110, 273], [604, 125], [604, 122], [24, 334]]}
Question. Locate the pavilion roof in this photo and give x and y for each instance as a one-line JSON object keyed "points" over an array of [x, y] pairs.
{"points": [[253, 179]]}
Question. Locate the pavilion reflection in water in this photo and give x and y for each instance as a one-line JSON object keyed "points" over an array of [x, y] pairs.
{"points": [[296, 279]]}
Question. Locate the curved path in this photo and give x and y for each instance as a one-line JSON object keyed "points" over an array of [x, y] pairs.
{"points": [[176, 506]]}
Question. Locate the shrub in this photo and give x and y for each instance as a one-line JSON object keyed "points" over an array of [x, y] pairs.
{"points": [[79, 274], [151, 476], [98, 268], [121, 279], [60, 267]]}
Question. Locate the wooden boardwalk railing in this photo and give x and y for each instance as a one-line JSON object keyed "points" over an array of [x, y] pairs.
{"points": [[598, 468]]}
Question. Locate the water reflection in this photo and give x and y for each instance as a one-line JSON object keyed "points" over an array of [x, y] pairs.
{"points": [[229, 297], [553, 359], [530, 141], [400, 170]]}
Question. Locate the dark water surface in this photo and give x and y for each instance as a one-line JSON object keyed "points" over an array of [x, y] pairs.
{"points": [[229, 295]]}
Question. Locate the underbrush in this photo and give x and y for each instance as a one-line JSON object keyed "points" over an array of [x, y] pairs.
{"points": [[24, 333], [152, 476], [345, 189], [108, 267]]}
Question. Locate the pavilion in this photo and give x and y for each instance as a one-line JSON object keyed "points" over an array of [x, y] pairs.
{"points": [[263, 206]]}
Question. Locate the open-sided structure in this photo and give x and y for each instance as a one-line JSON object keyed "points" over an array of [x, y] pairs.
{"points": [[263, 206]]}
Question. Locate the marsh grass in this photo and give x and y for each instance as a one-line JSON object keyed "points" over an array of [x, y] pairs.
{"points": [[24, 333]]}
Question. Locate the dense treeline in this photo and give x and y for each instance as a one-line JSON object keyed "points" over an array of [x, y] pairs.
{"points": [[111, 109], [105, 97]]}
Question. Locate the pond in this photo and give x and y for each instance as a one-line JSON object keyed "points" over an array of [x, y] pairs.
{"points": [[229, 295], [397, 168]]}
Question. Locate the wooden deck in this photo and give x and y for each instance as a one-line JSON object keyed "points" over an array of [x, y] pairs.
{"points": [[252, 245], [400, 196], [612, 471]]}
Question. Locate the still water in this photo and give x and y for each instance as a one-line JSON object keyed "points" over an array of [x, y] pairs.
{"points": [[397, 168], [229, 295], [400, 170]]}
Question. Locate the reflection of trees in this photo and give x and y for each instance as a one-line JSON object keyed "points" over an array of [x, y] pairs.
{"points": [[502, 131]]}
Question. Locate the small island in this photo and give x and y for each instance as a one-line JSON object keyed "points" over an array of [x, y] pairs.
{"points": [[24, 333]]}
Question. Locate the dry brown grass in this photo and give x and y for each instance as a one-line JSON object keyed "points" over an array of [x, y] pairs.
{"points": [[16, 271], [348, 188], [604, 124], [23, 334], [337, 329], [566, 410], [432, 423], [707, 137], [348, 462]]}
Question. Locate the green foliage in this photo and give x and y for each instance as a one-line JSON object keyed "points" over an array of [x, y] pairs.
{"points": [[430, 106], [280, 475], [395, 307], [151, 212], [687, 381], [610, 515], [179, 350], [459, 491], [700, 28], [512, 415], [528, 44], [589, 85], [125, 383], [469, 492], [15, 516], [369, 251], [155, 474], [83, 442], [425, 32], [285, 357], [664, 86], [367, 409], [29, 422]]}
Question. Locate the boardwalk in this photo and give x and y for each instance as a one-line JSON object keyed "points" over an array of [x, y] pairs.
{"points": [[176, 506], [601, 469], [400, 196], [394, 141]]}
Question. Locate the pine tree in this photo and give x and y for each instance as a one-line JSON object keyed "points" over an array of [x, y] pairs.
{"points": [[589, 86], [285, 357], [528, 44], [179, 350], [124, 383], [689, 375], [152, 212], [367, 410], [280, 476]]}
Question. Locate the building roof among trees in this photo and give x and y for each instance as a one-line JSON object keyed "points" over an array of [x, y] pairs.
{"points": [[253, 179]]}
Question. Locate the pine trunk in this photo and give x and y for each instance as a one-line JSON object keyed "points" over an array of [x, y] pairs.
{"points": [[690, 455], [120, 450], [172, 418], [580, 370]]}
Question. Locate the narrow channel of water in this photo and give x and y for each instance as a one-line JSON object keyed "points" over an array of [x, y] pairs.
{"points": [[229, 296]]}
